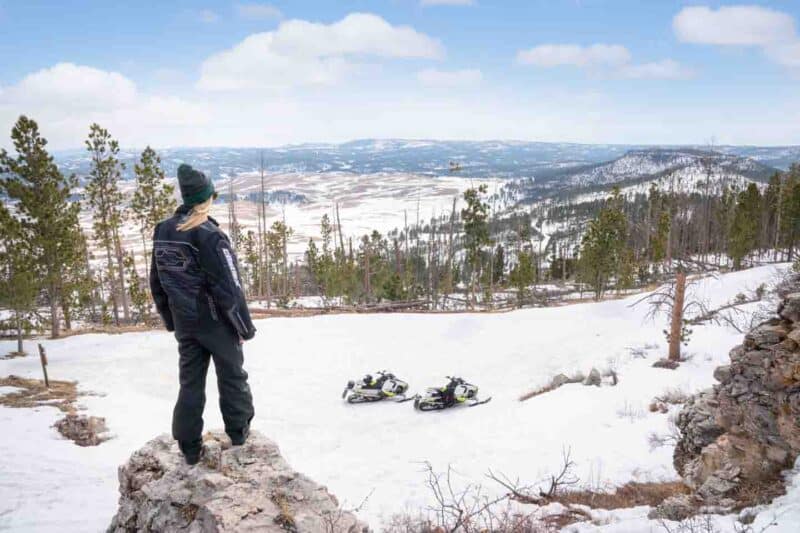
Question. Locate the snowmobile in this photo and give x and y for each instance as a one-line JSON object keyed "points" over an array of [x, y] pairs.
{"points": [[373, 389], [456, 392]]}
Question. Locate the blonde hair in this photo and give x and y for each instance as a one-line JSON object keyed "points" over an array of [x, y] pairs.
{"points": [[197, 215]]}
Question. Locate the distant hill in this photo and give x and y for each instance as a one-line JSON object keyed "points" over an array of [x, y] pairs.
{"points": [[685, 169], [475, 159]]}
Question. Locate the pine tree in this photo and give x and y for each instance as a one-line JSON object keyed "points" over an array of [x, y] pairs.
{"points": [[105, 199], [744, 230], [77, 282], [476, 232], [18, 283], [604, 246], [80, 295], [320, 262], [138, 290], [790, 211], [523, 273], [251, 262], [771, 217], [499, 265], [276, 241], [154, 198], [48, 220]]}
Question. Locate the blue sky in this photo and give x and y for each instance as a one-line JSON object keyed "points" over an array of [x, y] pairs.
{"points": [[258, 73]]}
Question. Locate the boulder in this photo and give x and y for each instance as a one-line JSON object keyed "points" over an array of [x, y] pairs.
{"points": [[559, 380], [790, 307], [675, 508], [723, 373], [83, 430], [233, 488], [594, 378]]}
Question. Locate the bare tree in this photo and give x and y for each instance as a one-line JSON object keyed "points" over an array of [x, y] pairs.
{"points": [[671, 299], [459, 508]]}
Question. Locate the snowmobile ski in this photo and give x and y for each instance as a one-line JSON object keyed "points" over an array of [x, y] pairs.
{"points": [[407, 399], [480, 402]]}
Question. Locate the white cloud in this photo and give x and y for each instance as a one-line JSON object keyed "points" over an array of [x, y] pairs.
{"points": [[258, 11], [432, 77], [552, 55], [66, 98], [667, 69], [207, 16], [300, 53], [733, 25], [75, 87], [609, 59], [772, 31], [447, 2]]}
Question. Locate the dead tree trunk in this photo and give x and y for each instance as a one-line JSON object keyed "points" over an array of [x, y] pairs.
{"points": [[450, 253], [269, 277], [18, 316], [285, 255], [126, 313], [339, 225], [262, 230], [55, 325], [676, 325], [367, 286]]}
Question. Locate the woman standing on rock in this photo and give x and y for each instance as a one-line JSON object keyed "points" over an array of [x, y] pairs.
{"points": [[195, 283]]}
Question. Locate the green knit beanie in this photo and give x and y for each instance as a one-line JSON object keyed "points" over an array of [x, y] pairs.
{"points": [[195, 187]]}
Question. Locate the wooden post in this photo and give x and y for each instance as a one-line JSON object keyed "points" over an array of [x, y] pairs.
{"points": [[677, 317], [43, 358]]}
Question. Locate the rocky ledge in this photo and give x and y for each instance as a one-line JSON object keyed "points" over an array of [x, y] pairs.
{"points": [[737, 437], [241, 488]]}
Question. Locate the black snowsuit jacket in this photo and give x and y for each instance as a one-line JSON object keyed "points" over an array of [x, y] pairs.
{"points": [[194, 278]]}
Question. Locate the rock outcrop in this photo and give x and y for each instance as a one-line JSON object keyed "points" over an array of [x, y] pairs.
{"points": [[737, 437], [242, 488]]}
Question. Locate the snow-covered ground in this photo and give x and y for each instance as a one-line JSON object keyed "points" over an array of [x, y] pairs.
{"points": [[298, 367]]}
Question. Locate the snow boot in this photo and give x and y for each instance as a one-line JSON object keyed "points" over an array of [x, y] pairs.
{"points": [[239, 437], [192, 451]]}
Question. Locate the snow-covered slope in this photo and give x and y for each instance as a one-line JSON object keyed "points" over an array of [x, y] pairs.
{"points": [[645, 164], [298, 367]]}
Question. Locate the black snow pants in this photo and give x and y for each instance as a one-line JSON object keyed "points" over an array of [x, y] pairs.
{"points": [[196, 348]]}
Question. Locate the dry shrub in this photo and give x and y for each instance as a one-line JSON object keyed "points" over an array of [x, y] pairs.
{"points": [[630, 411], [631, 494], [153, 324], [61, 394], [751, 493], [285, 517], [13, 355], [503, 521], [672, 396]]}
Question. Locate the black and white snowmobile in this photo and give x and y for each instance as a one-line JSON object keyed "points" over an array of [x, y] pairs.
{"points": [[456, 392], [373, 389]]}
